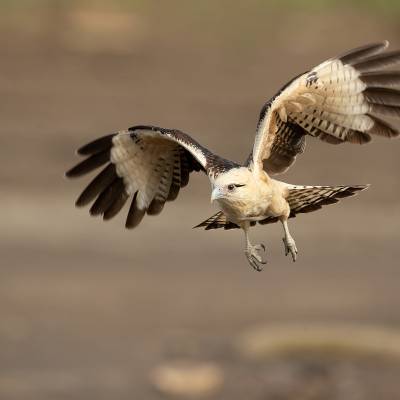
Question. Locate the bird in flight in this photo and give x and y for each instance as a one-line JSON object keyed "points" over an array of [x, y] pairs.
{"points": [[339, 100]]}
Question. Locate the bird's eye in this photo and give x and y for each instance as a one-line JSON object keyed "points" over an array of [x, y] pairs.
{"points": [[232, 186]]}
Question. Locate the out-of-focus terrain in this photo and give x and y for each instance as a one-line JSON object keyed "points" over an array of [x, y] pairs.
{"points": [[89, 310]]}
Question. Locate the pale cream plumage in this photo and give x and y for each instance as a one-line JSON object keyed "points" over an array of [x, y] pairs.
{"points": [[337, 101]]}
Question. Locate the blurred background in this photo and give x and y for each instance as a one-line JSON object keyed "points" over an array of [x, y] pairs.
{"points": [[89, 310]]}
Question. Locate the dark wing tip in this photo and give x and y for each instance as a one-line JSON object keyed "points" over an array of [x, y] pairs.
{"points": [[200, 225], [116, 205], [358, 137], [97, 185], [349, 191], [70, 173], [360, 188], [89, 164], [381, 79], [135, 214], [106, 197], [173, 192], [383, 128], [96, 146], [363, 52], [384, 101], [155, 207], [377, 62]]}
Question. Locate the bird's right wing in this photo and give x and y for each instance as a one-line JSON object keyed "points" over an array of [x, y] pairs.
{"points": [[147, 163], [337, 101]]}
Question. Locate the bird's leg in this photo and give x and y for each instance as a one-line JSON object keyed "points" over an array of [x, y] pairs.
{"points": [[288, 241], [252, 252]]}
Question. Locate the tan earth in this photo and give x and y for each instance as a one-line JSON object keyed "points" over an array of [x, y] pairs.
{"points": [[89, 310]]}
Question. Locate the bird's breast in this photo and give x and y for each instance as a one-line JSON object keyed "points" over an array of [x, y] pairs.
{"points": [[246, 210], [261, 204]]}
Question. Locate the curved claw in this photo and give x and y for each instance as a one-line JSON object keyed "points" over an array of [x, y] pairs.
{"points": [[257, 266], [254, 258], [290, 247], [260, 246]]}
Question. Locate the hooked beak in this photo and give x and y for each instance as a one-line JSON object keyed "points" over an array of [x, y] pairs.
{"points": [[216, 194]]}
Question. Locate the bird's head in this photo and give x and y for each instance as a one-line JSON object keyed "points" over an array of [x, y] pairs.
{"points": [[233, 185]]}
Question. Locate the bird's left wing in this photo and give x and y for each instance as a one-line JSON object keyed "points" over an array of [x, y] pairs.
{"points": [[147, 163], [337, 101]]}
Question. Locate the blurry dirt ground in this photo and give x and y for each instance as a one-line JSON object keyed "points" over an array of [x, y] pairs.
{"points": [[87, 309]]}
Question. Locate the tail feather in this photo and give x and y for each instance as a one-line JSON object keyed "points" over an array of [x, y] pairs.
{"points": [[216, 221]]}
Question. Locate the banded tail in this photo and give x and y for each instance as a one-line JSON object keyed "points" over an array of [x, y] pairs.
{"points": [[301, 199]]}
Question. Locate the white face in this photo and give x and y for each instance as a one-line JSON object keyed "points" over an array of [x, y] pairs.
{"points": [[234, 185]]}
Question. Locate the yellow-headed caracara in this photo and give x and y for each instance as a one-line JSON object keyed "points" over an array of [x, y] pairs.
{"points": [[337, 101]]}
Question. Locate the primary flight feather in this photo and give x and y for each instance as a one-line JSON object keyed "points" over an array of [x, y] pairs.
{"points": [[338, 101]]}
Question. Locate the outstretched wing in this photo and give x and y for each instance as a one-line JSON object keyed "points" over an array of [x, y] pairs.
{"points": [[147, 163], [337, 101]]}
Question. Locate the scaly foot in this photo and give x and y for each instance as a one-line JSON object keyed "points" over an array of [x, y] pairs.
{"points": [[253, 256], [290, 247]]}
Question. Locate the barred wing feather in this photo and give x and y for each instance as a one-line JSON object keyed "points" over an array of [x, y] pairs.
{"points": [[147, 163], [337, 101], [305, 199]]}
